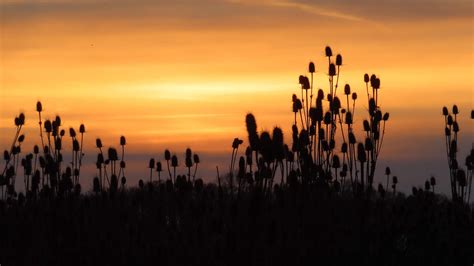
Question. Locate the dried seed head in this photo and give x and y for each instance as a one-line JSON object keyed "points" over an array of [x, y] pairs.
{"points": [[98, 143], [366, 126], [332, 70], [328, 51], [39, 107], [62, 133], [297, 105], [349, 118], [386, 116], [450, 120], [151, 163], [352, 139], [122, 164], [447, 132], [123, 180], [196, 159], [339, 60], [100, 159], [329, 97], [455, 109], [433, 181], [174, 161], [294, 98], [372, 106], [21, 138], [235, 144], [58, 121], [47, 126], [36, 149], [301, 79], [354, 96], [311, 67], [82, 129], [368, 144], [320, 94], [327, 118], [366, 78], [112, 154], [347, 89], [377, 84], [372, 80], [167, 155], [188, 162], [455, 127], [387, 171], [427, 185], [21, 118], [72, 132], [395, 180], [445, 111], [159, 168], [189, 153], [251, 125]]}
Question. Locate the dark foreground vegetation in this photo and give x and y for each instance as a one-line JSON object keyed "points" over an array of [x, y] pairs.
{"points": [[315, 201], [202, 225]]}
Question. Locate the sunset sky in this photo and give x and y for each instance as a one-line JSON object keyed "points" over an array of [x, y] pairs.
{"points": [[173, 74]]}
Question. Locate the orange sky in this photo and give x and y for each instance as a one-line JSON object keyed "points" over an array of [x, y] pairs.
{"points": [[178, 74]]}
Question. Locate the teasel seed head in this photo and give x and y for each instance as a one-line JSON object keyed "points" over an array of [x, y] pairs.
{"points": [[372, 80], [387, 171], [386, 116], [21, 138], [327, 118], [352, 139], [368, 144], [311, 67], [320, 94], [72, 132], [338, 60], [354, 96], [82, 129], [349, 118], [455, 109], [332, 70], [167, 155], [47, 126], [445, 111], [433, 181], [447, 132], [328, 51], [159, 167], [366, 126], [39, 107], [344, 147], [336, 162], [151, 163], [62, 133], [196, 158], [58, 121], [450, 120], [98, 143], [366, 78], [394, 180], [455, 127], [174, 161], [251, 125], [347, 89], [361, 153]]}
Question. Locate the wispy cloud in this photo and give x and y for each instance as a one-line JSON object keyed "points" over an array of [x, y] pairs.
{"points": [[308, 8]]}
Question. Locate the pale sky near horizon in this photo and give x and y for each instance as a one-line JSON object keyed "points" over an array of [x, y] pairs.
{"points": [[173, 74]]}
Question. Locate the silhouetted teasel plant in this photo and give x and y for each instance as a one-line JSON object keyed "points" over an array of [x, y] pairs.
{"points": [[107, 167], [460, 178], [313, 156], [191, 160]]}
